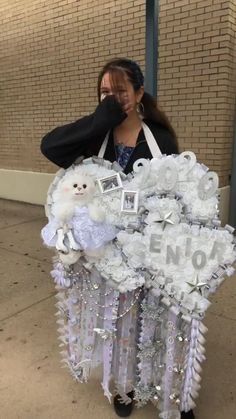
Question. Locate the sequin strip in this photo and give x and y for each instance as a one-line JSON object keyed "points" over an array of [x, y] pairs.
{"points": [[149, 346], [174, 368], [125, 350], [149, 351], [110, 315]]}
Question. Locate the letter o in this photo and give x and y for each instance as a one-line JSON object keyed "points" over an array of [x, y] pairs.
{"points": [[195, 259]]}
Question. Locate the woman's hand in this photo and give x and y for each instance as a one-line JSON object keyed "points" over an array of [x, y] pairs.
{"points": [[108, 114], [122, 99]]}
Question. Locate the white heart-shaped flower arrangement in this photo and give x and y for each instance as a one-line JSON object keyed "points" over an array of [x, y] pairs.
{"points": [[156, 227]]}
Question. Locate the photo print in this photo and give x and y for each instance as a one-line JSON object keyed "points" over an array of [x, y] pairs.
{"points": [[110, 183], [129, 202]]}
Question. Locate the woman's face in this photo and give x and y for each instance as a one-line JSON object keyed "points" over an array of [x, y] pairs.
{"points": [[123, 90]]}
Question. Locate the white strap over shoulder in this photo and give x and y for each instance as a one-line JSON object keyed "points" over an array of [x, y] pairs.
{"points": [[151, 142], [104, 146]]}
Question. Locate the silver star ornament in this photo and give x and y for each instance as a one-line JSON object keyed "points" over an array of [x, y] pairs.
{"points": [[165, 219], [197, 285]]}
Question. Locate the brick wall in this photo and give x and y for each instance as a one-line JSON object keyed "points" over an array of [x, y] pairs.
{"points": [[51, 53], [197, 77]]}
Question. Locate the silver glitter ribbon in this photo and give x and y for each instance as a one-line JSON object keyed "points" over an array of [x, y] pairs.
{"points": [[150, 348], [171, 389], [125, 346], [110, 314]]}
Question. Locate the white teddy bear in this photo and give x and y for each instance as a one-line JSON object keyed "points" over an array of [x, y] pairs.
{"points": [[78, 224], [76, 190]]}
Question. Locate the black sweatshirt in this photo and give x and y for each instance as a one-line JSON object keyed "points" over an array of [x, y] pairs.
{"points": [[84, 137]]}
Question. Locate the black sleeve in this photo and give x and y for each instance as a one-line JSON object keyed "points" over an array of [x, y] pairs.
{"points": [[64, 144]]}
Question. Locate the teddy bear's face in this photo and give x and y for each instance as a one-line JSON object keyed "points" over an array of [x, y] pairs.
{"points": [[78, 187]]}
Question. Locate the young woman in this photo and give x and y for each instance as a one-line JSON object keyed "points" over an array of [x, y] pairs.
{"points": [[123, 110]]}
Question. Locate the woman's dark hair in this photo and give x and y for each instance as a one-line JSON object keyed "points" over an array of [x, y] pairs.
{"points": [[118, 68]]}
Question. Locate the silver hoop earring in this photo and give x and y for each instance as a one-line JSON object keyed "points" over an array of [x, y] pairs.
{"points": [[140, 109]]}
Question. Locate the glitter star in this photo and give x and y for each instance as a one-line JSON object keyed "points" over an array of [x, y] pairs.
{"points": [[197, 285], [165, 219]]}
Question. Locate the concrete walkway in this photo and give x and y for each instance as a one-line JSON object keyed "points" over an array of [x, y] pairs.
{"points": [[32, 384]]}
